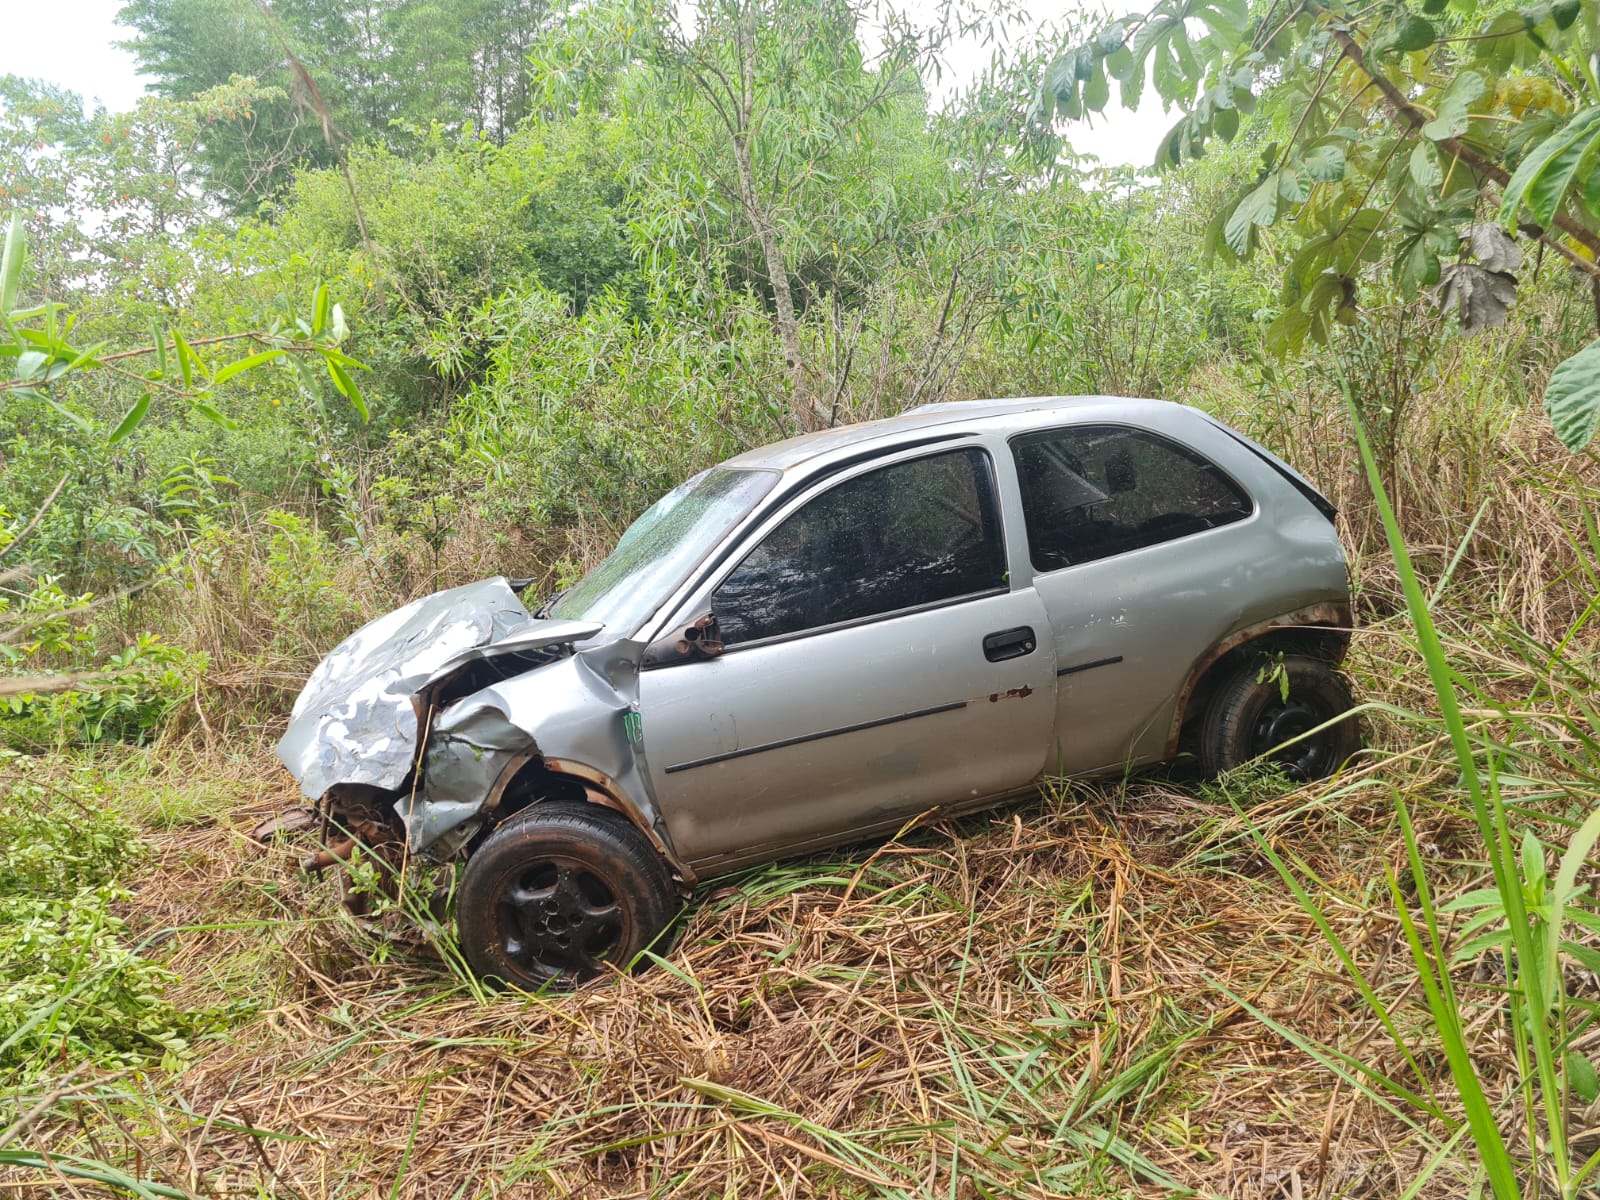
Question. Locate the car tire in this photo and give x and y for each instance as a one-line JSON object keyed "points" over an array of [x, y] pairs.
{"points": [[558, 894], [1249, 718]]}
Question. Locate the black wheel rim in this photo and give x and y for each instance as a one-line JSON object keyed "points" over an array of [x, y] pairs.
{"points": [[1280, 722], [559, 916]]}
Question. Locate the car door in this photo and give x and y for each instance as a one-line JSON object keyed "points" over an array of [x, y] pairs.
{"points": [[1142, 553], [877, 663]]}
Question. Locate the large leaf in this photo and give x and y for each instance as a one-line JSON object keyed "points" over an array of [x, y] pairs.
{"points": [[1550, 169], [1493, 247], [1425, 169], [1481, 298], [1258, 208], [1325, 163], [1454, 111], [1573, 398], [11, 265]]}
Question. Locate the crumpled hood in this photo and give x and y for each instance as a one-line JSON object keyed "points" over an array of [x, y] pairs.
{"points": [[356, 721]]}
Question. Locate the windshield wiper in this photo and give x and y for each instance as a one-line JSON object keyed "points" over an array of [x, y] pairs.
{"points": [[548, 603]]}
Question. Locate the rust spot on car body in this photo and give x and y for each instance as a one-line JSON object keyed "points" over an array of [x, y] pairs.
{"points": [[1016, 693]]}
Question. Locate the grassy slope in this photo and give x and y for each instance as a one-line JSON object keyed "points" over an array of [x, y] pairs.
{"points": [[1103, 992]]}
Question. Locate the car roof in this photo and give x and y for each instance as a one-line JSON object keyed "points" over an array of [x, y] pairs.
{"points": [[951, 418]]}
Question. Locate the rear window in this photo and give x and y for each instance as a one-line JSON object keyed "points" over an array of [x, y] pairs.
{"points": [[1093, 491]]}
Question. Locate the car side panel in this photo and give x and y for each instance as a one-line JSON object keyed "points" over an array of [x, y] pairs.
{"points": [[765, 750], [1129, 630]]}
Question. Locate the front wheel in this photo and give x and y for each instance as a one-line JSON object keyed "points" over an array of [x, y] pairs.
{"points": [[560, 892], [1253, 715]]}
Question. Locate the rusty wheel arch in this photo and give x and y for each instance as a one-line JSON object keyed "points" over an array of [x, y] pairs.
{"points": [[530, 778], [1320, 630]]}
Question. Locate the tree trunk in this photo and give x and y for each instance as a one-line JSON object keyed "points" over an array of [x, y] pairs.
{"points": [[808, 412]]}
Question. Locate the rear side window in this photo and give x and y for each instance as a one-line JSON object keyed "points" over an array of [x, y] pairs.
{"points": [[903, 536], [1093, 491]]}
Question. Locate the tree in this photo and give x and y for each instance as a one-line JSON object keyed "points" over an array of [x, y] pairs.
{"points": [[40, 361], [1415, 147], [337, 71], [106, 194], [764, 119]]}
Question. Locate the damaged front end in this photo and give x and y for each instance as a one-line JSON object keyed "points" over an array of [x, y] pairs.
{"points": [[408, 734]]}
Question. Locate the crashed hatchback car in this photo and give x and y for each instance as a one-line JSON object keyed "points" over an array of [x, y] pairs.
{"points": [[821, 639]]}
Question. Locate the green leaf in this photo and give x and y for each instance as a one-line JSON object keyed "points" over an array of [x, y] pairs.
{"points": [[16, 250], [1585, 1080], [131, 420], [1288, 333], [1325, 163], [1097, 90], [1131, 88], [1411, 33], [31, 364], [1292, 185], [213, 415], [1573, 398], [244, 364], [1357, 241], [1542, 179], [1587, 956], [347, 388], [1453, 114], [1258, 208], [1425, 169], [1419, 268], [1533, 869], [1434, 7], [319, 310], [186, 358], [1564, 13], [1498, 42]]}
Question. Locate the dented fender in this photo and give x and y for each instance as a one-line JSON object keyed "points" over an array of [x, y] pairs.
{"points": [[579, 714]]}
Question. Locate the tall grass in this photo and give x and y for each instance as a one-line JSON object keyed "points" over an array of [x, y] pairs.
{"points": [[1522, 1139]]}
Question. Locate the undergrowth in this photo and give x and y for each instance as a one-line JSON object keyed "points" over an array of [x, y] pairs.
{"points": [[76, 988]]}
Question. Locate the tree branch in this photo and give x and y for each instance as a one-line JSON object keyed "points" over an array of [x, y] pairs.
{"points": [[1414, 118]]}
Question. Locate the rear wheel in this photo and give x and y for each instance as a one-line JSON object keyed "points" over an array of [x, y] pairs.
{"points": [[560, 892], [1252, 715]]}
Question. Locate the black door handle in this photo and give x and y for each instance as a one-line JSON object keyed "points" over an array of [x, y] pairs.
{"points": [[1009, 643]]}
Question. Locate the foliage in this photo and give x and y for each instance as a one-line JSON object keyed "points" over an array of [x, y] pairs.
{"points": [[378, 69], [1387, 134], [42, 357], [72, 987]]}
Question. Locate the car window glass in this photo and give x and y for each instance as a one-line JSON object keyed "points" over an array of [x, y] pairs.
{"points": [[663, 546], [1093, 491], [915, 533]]}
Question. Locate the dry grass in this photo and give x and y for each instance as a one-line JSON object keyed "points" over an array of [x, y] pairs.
{"points": [[1072, 997]]}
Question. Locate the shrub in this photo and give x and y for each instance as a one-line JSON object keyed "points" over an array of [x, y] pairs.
{"points": [[72, 987]]}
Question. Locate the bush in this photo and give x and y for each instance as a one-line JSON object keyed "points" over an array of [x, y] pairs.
{"points": [[72, 988]]}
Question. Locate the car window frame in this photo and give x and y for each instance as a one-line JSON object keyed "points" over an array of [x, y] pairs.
{"points": [[1040, 433], [823, 480]]}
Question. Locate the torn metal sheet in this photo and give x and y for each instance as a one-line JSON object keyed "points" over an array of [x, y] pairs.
{"points": [[582, 708], [356, 721]]}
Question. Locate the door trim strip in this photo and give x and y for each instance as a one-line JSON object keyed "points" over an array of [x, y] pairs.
{"points": [[812, 737], [1089, 666]]}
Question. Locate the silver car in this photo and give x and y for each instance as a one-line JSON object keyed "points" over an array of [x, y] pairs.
{"points": [[820, 639]]}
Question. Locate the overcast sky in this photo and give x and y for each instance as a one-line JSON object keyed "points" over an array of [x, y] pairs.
{"points": [[69, 43]]}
